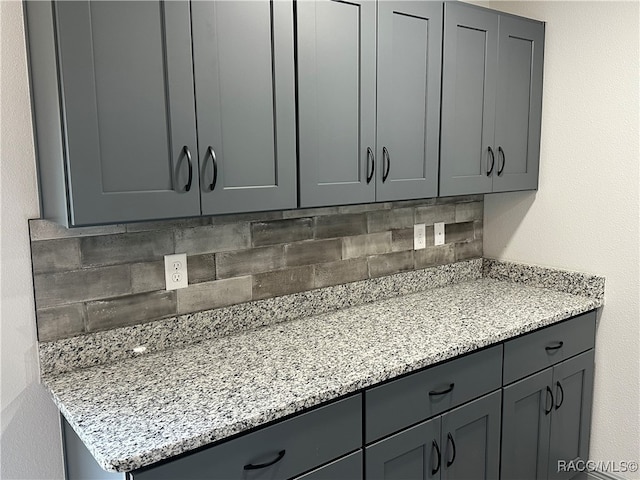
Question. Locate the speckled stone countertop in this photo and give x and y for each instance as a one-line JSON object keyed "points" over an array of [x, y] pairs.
{"points": [[141, 410]]}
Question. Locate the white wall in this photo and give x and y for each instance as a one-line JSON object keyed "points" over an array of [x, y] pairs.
{"points": [[30, 439], [585, 214]]}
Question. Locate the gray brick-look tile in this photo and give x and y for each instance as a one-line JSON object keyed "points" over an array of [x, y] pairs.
{"points": [[213, 238], [167, 224], [79, 285], [147, 277], [402, 240], [219, 293], [282, 282], [344, 271], [201, 268], [460, 199], [421, 202], [390, 263], [245, 217], [393, 219], [60, 322], [468, 212], [281, 231], [130, 310], [313, 251], [332, 226], [55, 255], [436, 213], [125, 248], [468, 250], [246, 262], [478, 229], [431, 256], [364, 207], [363, 245], [310, 212], [458, 232], [46, 230]]}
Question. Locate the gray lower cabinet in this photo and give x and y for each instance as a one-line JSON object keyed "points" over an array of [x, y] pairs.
{"points": [[368, 100], [491, 101], [116, 87], [547, 415], [464, 443]]}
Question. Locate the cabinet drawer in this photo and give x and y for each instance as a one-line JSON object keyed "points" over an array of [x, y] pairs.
{"points": [[409, 400], [303, 442], [541, 349]]}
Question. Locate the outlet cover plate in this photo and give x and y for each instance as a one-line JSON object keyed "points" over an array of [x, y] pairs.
{"points": [[419, 236], [175, 271], [438, 233]]}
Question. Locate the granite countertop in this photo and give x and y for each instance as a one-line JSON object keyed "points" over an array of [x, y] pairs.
{"points": [[141, 410]]}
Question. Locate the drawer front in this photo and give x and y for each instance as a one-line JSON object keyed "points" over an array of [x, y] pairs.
{"points": [[546, 347], [409, 400], [347, 468], [291, 447]]}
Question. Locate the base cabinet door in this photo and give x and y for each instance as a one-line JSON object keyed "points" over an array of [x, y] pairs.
{"points": [[346, 468], [471, 440], [526, 420], [413, 454], [571, 420]]}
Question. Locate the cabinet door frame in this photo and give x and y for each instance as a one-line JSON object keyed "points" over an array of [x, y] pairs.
{"points": [[278, 155], [513, 28], [313, 192], [88, 203], [394, 104]]}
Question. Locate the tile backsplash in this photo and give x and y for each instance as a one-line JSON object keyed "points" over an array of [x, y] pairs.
{"points": [[97, 278]]}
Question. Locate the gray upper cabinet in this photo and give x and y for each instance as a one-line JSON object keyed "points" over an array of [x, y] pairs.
{"points": [[116, 87], [128, 145], [491, 101], [244, 82], [336, 101], [368, 122]]}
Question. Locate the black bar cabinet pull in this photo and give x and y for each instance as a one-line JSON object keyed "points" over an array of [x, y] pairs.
{"points": [[187, 152], [371, 158], [504, 160], [453, 448], [437, 449], [212, 153], [268, 464], [442, 392], [559, 387], [557, 346], [386, 159], [547, 411], [493, 161]]}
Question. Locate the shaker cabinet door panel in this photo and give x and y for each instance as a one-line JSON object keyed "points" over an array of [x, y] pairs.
{"points": [[244, 82], [408, 100], [468, 99], [526, 420], [336, 44], [571, 422], [129, 114], [519, 104]]}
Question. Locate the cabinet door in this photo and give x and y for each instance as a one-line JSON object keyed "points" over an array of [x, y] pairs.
{"points": [[471, 440], [470, 61], [129, 114], [413, 454], [336, 101], [244, 82], [571, 422], [526, 420], [408, 107], [346, 468], [519, 104]]}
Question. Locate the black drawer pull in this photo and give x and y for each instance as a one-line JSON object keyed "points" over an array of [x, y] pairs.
{"points": [[268, 464], [558, 386], [385, 159], [442, 392], [435, 446], [493, 161], [547, 411], [187, 153], [453, 447], [212, 154], [554, 347], [504, 160], [371, 160]]}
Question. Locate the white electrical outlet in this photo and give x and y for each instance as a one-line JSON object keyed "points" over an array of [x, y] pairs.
{"points": [[438, 233], [419, 236], [175, 271]]}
